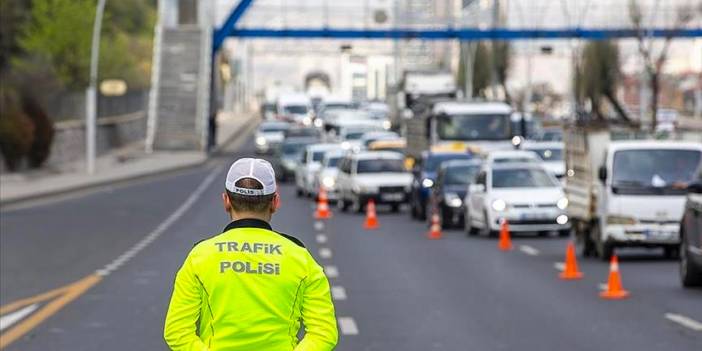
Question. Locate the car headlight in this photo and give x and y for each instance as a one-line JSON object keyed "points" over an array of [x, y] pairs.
{"points": [[307, 120], [387, 125], [499, 205], [562, 203], [453, 200], [260, 141], [427, 183], [622, 220], [345, 145], [328, 182], [318, 123]]}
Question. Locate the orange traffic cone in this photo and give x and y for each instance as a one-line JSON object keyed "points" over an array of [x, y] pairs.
{"points": [[614, 283], [435, 229], [371, 218], [323, 211], [505, 242], [571, 271]]}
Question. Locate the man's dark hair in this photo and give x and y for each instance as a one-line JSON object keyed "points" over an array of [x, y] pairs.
{"points": [[247, 203]]}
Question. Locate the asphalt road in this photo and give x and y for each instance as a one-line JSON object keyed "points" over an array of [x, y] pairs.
{"points": [[394, 288]]}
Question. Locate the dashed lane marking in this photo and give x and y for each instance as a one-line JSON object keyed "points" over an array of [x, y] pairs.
{"points": [[348, 326], [325, 253], [14, 317], [58, 298], [321, 238], [318, 225], [529, 250], [686, 322], [338, 293], [559, 266], [331, 271]]}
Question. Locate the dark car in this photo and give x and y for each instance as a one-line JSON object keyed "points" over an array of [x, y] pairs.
{"points": [[550, 134], [287, 156], [303, 132], [691, 237], [424, 172], [450, 187]]}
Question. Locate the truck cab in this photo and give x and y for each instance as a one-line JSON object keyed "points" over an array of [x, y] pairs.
{"points": [[628, 193], [483, 126]]}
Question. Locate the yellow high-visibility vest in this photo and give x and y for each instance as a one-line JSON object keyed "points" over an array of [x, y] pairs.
{"points": [[248, 289]]}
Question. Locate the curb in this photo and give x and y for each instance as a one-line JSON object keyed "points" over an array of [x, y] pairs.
{"points": [[86, 186]]}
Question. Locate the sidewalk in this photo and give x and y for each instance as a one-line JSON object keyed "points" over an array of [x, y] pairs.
{"points": [[123, 164]]}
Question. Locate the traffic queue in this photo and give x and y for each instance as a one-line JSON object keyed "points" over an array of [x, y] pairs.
{"points": [[465, 163]]}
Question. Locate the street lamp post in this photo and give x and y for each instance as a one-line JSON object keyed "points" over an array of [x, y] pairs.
{"points": [[91, 92]]}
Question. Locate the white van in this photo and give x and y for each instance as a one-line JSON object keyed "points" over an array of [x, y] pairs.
{"points": [[295, 108]]}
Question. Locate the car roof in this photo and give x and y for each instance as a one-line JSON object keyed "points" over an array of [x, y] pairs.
{"points": [[274, 123], [653, 144], [538, 145], [514, 165], [374, 155], [510, 153], [461, 163], [457, 108], [323, 147]]}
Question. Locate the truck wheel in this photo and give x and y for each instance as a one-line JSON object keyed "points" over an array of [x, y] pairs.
{"points": [[489, 233], [671, 252], [342, 204], [356, 205], [583, 243], [395, 208], [298, 192], [604, 249], [422, 212], [690, 274]]}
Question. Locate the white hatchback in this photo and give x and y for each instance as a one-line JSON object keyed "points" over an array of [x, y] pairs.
{"points": [[525, 194]]}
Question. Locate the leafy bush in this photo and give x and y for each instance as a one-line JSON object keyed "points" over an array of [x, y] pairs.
{"points": [[16, 130]]}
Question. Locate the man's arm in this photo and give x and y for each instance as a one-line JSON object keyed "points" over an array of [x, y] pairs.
{"points": [[318, 313], [180, 331]]}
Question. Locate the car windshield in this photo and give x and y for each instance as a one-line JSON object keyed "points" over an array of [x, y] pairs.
{"points": [[461, 175], [549, 154], [271, 128], [551, 135], [332, 162], [295, 109], [302, 132], [474, 127], [433, 162], [292, 148], [650, 172], [353, 135], [515, 159], [318, 156], [522, 178], [380, 166]]}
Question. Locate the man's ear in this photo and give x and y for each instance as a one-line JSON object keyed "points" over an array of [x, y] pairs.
{"points": [[226, 203], [276, 202]]}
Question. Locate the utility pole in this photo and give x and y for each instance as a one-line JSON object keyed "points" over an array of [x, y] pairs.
{"points": [[91, 92], [495, 24]]}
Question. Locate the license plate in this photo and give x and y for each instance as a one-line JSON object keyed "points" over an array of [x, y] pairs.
{"points": [[532, 215], [392, 197]]}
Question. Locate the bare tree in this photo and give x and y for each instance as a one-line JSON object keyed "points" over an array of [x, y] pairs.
{"points": [[652, 63], [597, 74]]}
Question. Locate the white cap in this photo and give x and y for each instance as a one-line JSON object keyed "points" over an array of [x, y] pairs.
{"points": [[254, 168]]}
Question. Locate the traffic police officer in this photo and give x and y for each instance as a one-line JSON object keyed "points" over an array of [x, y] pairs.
{"points": [[249, 287]]}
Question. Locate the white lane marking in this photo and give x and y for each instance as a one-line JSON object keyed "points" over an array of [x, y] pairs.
{"points": [[167, 223], [325, 253], [686, 322], [321, 238], [559, 266], [338, 293], [348, 326], [603, 286], [319, 225], [16, 316], [331, 271], [529, 250]]}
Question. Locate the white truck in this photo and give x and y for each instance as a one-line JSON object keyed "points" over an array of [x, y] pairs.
{"points": [[475, 125], [416, 85], [626, 192]]}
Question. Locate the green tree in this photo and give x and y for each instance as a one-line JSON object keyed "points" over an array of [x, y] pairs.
{"points": [[599, 73], [13, 15], [501, 58]]}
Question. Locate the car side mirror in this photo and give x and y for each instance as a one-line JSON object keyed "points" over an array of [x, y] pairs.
{"points": [[602, 174], [476, 188], [695, 187]]}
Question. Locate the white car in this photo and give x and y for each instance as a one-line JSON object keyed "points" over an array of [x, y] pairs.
{"points": [[511, 156], [525, 194], [310, 164], [377, 175], [351, 133], [370, 137], [296, 108], [269, 135], [326, 176], [551, 153]]}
